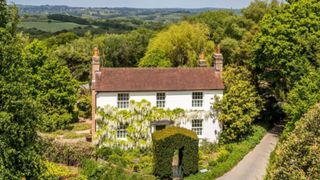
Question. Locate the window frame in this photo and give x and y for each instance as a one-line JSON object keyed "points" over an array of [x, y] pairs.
{"points": [[123, 103], [122, 131], [197, 126], [161, 99], [197, 99]]}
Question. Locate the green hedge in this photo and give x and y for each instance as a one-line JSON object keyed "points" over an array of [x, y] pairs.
{"points": [[71, 154], [297, 156], [166, 141]]}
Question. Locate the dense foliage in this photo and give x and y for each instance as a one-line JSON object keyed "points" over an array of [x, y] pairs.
{"points": [[65, 153], [240, 104], [287, 46], [297, 157], [137, 118], [304, 94], [166, 141], [19, 112], [179, 45], [56, 89]]}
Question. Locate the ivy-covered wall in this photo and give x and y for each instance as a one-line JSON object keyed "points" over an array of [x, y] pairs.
{"points": [[166, 141]]}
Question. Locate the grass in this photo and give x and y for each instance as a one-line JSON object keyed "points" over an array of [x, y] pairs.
{"points": [[71, 131], [235, 153], [49, 26]]}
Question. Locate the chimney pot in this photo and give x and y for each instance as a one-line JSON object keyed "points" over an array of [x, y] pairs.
{"points": [[202, 60], [218, 64]]}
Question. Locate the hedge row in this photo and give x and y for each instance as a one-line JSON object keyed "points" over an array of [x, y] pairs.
{"points": [[165, 142], [71, 154]]}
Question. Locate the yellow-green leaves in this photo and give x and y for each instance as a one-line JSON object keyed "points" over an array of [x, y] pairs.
{"points": [[179, 45]]}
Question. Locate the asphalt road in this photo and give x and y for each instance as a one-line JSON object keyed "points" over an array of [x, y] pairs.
{"points": [[253, 165]]}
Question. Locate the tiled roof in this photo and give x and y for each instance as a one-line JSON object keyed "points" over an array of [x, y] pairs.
{"points": [[158, 79]]}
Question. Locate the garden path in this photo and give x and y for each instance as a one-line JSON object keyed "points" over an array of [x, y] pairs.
{"points": [[253, 165]]}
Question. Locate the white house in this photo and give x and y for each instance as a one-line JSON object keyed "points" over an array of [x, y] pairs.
{"points": [[192, 89]]}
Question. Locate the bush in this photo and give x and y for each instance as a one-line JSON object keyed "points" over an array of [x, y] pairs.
{"points": [[56, 120], [166, 141], [84, 106], [297, 156], [55, 171], [71, 154], [102, 170]]}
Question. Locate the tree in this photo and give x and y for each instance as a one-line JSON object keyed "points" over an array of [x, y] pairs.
{"points": [[304, 94], [56, 89], [3, 13], [181, 44], [230, 31], [239, 106], [127, 49], [297, 156], [287, 47], [19, 113], [258, 8], [77, 56]]}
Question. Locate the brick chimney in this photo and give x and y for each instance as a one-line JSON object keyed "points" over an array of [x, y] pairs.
{"points": [[218, 57], [95, 71], [202, 60]]}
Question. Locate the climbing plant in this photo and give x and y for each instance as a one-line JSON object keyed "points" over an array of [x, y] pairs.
{"points": [[166, 141], [137, 119]]}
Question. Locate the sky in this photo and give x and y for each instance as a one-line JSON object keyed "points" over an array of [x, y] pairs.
{"points": [[235, 4]]}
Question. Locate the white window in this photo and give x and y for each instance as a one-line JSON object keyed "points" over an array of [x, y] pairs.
{"points": [[197, 126], [122, 130], [123, 100], [197, 99], [161, 100]]}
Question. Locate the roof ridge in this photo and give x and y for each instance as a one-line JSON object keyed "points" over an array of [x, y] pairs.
{"points": [[157, 68]]}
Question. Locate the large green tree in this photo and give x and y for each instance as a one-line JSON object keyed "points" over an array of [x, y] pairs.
{"points": [[297, 157], [287, 46], [304, 94], [56, 88], [19, 113], [240, 104], [179, 45]]}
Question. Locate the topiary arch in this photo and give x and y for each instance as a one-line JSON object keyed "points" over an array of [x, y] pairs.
{"points": [[166, 142]]}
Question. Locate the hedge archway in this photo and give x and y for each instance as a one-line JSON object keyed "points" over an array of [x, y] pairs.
{"points": [[166, 142]]}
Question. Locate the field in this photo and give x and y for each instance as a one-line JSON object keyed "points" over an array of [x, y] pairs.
{"points": [[49, 26]]}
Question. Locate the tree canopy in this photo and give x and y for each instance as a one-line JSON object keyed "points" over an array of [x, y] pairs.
{"points": [[287, 46], [19, 113], [240, 104], [179, 45]]}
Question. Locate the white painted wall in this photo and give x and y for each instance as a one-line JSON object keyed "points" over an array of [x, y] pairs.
{"points": [[174, 99]]}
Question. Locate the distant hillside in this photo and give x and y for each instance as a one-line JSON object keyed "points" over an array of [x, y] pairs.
{"points": [[105, 12]]}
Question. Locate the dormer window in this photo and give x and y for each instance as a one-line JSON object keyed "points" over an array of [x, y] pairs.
{"points": [[197, 99], [123, 100], [161, 100]]}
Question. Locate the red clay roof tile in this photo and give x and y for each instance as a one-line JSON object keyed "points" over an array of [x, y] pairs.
{"points": [[158, 79]]}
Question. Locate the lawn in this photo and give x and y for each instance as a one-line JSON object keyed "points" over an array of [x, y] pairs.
{"points": [[49, 26], [72, 131]]}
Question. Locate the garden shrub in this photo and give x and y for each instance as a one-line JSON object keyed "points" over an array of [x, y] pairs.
{"points": [[56, 171], [103, 170], [71, 154], [166, 141], [297, 156]]}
